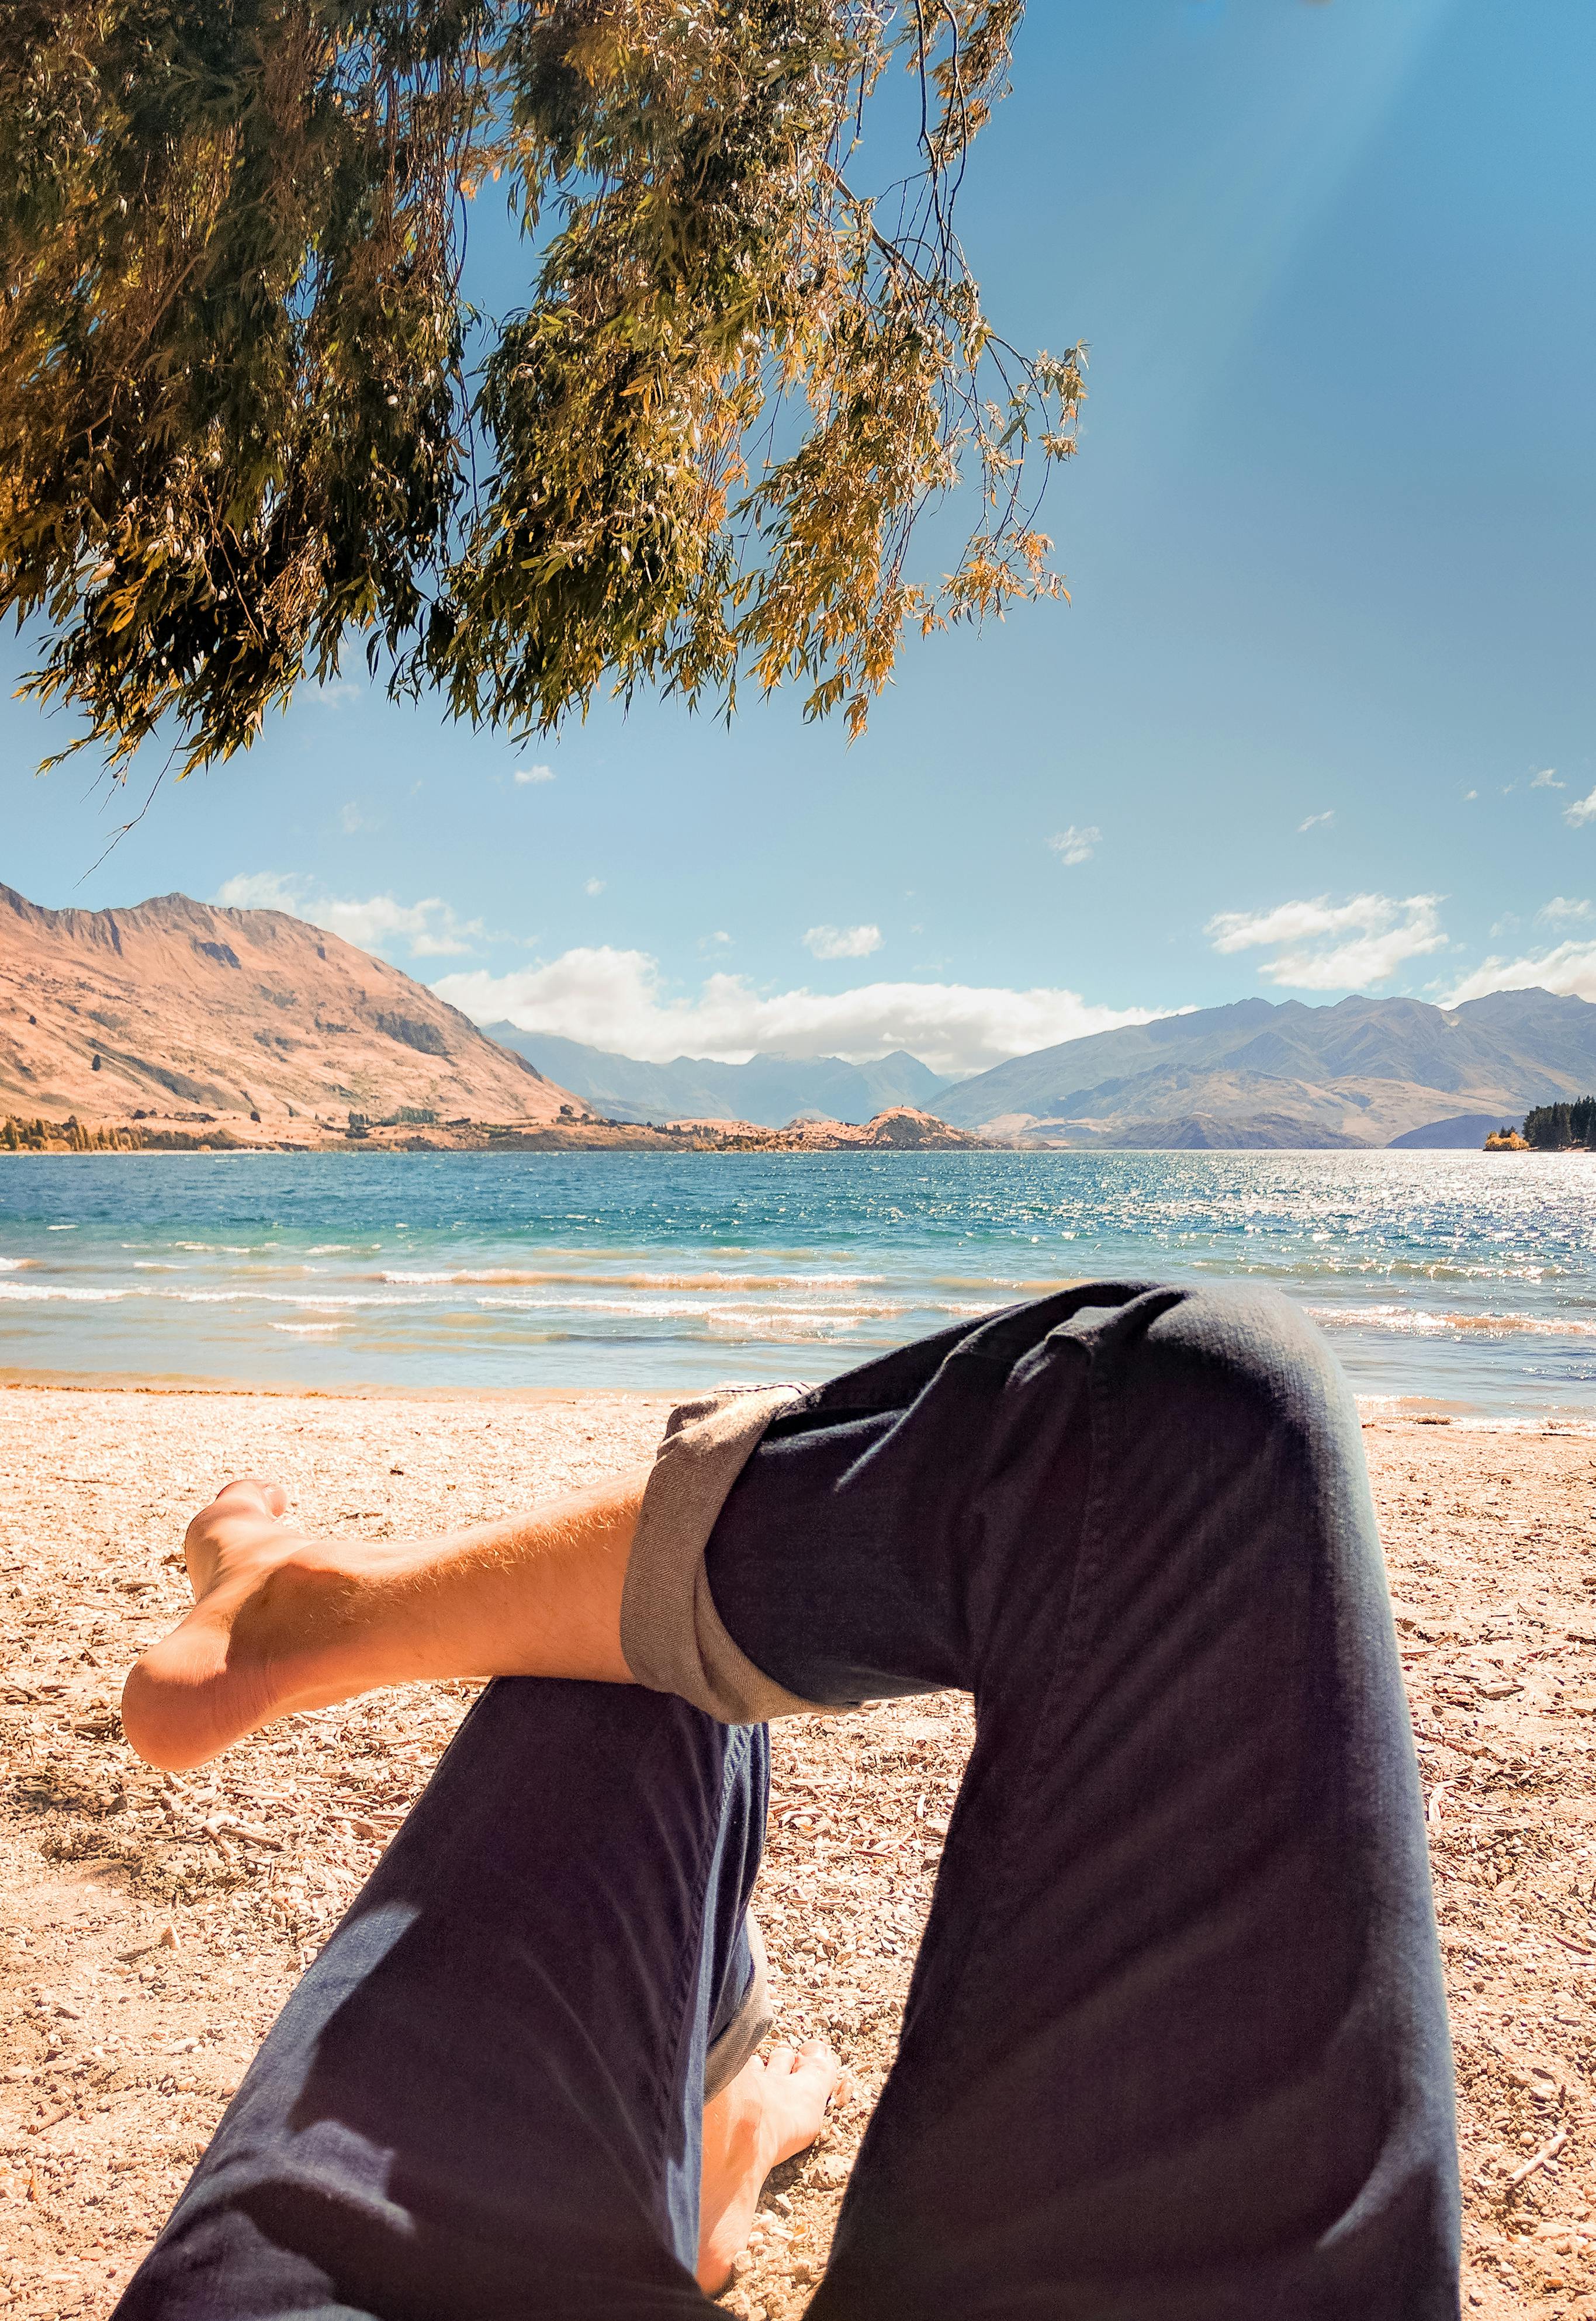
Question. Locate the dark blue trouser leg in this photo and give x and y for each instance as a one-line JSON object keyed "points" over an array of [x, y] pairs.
{"points": [[1176, 2045], [484, 2098], [1175, 2048]]}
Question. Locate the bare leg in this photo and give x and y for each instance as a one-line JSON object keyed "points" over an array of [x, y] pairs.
{"points": [[281, 1622]]}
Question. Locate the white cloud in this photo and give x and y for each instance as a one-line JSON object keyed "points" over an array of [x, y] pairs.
{"points": [[1315, 820], [1072, 845], [1564, 907], [619, 1000], [1546, 780], [594, 887], [339, 694], [843, 942], [1570, 970], [1470, 793], [1582, 810], [1334, 947], [526, 774], [426, 930], [352, 820]]}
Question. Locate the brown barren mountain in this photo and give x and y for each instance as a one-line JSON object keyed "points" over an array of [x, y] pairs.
{"points": [[176, 1012]]}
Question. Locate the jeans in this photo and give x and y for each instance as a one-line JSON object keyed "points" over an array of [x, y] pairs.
{"points": [[1175, 2047]]}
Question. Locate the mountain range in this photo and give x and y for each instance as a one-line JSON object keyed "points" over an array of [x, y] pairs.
{"points": [[178, 1011], [770, 1090], [1263, 1072], [1257, 1073]]}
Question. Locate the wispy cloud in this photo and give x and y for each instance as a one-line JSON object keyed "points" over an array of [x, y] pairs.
{"points": [[352, 819], [1546, 780], [425, 930], [1073, 845], [594, 887], [620, 1000], [525, 775], [1316, 820], [843, 942], [1324, 946], [1568, 970], [1561, 907], [1581, 811]]}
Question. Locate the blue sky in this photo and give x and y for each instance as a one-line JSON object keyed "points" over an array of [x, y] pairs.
{"points": [[1319, 717]]}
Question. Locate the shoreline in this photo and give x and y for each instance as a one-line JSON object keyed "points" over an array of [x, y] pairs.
{"points": [[168, 1383], [1374, 1410]]}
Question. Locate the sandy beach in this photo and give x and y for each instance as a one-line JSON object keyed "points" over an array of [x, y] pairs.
{"points": [[152, 1927]]}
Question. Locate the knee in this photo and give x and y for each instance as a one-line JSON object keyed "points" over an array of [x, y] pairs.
{"points": [[1248, 1358], [1249, 1425]]}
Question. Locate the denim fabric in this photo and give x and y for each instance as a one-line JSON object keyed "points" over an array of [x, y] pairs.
{"points": [[485, 2096], [1175, 2047]]}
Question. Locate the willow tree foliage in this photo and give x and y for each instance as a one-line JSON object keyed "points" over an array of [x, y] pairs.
{"points": [[247, 423]]}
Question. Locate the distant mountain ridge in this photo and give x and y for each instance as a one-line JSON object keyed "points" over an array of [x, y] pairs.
{"points": [[1262, 1072], [769, 1090]]}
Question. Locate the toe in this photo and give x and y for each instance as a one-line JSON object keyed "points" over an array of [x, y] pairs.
{"points": [[263, 1491]]}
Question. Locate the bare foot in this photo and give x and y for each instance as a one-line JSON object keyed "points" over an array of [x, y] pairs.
{"points": [[770, 2111], [267, 1601]]}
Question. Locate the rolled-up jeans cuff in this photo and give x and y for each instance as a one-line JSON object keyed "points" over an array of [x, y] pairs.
{"points": [[671, 1635], [748, 2026]]}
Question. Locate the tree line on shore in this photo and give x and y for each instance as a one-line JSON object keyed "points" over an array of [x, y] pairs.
{"points": [[1560, 1127]]}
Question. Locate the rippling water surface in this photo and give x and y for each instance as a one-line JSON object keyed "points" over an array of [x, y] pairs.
{"points": [[1469, 1277]]}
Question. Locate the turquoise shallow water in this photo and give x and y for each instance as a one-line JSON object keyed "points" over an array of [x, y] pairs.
{"points": [[1463, 1277]]}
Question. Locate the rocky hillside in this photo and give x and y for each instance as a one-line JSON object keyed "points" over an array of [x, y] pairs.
{"points": [[1364, 1071], [899, 1129], [178, 1013]]}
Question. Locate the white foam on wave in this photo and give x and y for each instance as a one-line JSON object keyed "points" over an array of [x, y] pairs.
{"points": [[41, 1292], [33, 1293], [17, 1264], [507, 1276], [663, 1309], [1423, 1322]]}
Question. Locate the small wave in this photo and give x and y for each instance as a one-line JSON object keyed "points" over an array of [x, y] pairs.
{"points": [[659, 1309], [784, 1329], [504, 1277], [1420, 1322], [226, 1248], [31, 1293], [1007, 1286], [21, 1292], [17, 1264], [309, 1329]]}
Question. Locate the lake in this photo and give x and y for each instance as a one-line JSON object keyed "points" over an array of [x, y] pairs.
{"points": [[1465, 1278]]}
